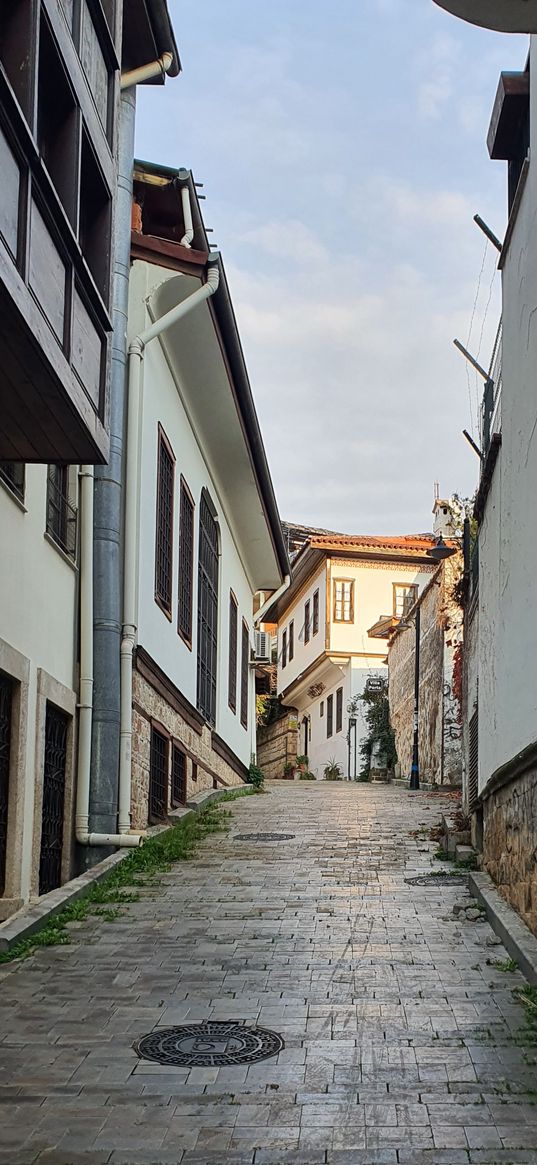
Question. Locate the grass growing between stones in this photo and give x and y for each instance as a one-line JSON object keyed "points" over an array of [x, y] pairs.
{"points": [[141, 867]]}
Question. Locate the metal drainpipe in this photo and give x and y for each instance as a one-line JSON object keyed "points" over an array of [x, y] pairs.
{"points": [[108, 520]]}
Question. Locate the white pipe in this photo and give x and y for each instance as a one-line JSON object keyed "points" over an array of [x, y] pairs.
{"points": [[146, 72], [128, 639], [258, 617], [85, 706], [187, 217]]}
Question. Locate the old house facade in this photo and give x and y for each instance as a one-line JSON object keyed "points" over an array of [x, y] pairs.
{"points": [[63, 144], [208, 534], [326, 653]]}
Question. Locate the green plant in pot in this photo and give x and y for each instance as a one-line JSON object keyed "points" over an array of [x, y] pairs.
{"points": [[302, 764], [288, 771], [332, 771]]}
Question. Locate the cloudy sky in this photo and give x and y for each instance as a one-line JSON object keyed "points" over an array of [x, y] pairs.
{"points": [[343, 151]]}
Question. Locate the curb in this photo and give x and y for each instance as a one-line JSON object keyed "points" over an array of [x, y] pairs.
{"points": [[517, 938], [33, 917]]}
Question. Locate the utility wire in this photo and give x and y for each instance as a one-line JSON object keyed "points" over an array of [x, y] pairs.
{"points": [[474, 309]]}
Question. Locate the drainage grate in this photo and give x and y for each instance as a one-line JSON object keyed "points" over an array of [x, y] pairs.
{"points": [[437, 880], [264, 836], [209, 1045]]}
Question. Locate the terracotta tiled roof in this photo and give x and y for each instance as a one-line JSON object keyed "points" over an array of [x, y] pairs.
{"points": [[409, 542]]}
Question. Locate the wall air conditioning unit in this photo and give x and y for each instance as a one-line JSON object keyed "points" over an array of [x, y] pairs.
{"points": [[262, 646]]}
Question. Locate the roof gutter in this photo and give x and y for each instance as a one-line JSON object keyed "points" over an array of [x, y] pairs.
{"points": [[143, 73]]}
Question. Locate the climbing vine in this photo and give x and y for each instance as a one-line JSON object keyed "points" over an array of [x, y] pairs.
{"points": [[380, 732]]}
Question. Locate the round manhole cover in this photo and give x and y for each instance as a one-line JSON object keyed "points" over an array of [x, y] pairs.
{"points": [[264, 836], [209, 1045], [436, 880]]}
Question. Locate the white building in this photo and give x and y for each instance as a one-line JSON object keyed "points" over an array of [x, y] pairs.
{"points": [[325, 651], [208, 532]]}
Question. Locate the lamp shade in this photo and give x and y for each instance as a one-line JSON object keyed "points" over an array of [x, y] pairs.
{"points": [[500, 15], [440, 551]]}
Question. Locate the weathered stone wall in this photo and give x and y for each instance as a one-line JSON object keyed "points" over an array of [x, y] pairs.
{"points": [[510, 844], [277, 745], [439, 715], [149, 705]]}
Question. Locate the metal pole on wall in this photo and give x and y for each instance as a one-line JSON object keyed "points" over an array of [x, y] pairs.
{"points": [[415, 770]]}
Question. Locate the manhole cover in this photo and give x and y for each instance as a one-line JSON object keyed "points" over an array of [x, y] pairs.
{"points": [[264, 836], [209, 1045], [436, 880]]}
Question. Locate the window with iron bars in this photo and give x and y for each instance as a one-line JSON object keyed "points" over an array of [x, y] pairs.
{"points": [[233, 631], [13, 475], [61, 513]]}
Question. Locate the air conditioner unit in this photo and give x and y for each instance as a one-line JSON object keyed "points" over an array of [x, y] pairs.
{"points": [[262, 646]]}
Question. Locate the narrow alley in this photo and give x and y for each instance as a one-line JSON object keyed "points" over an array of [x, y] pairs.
{"points": [[399, 1030]]}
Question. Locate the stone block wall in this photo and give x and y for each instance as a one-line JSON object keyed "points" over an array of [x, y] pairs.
{"points": [[510, 843], [213, 771], [277, 745]]}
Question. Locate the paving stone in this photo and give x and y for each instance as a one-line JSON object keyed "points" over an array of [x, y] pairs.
{"points": [[400, 1040]]}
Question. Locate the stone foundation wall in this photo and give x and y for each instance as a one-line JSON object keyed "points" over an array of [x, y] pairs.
{"points": [[277, 746], [510, 843], [213, 770]]}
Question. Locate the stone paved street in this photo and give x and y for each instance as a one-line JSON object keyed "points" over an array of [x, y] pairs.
{"points": [[398, 1036]]}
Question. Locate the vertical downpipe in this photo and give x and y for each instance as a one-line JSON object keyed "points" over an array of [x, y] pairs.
{"points": [[108, 519]]}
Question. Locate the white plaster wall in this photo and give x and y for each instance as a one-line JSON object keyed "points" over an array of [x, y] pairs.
{"points": [[162, 404], [305, 653], [507, 544], [38, 590], [323, 749], [373, 597]]}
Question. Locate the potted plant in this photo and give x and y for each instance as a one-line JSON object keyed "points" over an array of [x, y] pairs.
{"points": [[332, 771], [302, 764], [288, 771]]}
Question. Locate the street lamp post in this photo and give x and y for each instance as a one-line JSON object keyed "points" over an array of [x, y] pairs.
{"points": [[415, 770]]}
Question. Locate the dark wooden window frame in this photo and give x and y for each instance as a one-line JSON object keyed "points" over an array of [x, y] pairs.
{"points": [[343, 582], [315, 611], [245, 672], [61, 515], [185, 588], [284, 648], [164, 603], [307, 617], [233, 651], [321, 709], [194, 773], [13, 476], [208, 613], [329, 716], [339, 710]]}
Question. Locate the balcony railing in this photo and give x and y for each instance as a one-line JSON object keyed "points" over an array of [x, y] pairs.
{"points": [[491, 408]]}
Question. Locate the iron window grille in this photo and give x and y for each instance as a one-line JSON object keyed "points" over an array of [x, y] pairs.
{"points": [[307, 622], [330, 716], [343, 601], [233, 632], [284, 649], [207, 610], [178, 777], [245, 660], [61, 513], [315, 612], [186, 564], [164, 525], [473, 761], [53, 809], [194, 771], [158, 776], [12, 474], [291, 640], [339, 710], [6, 701]]}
